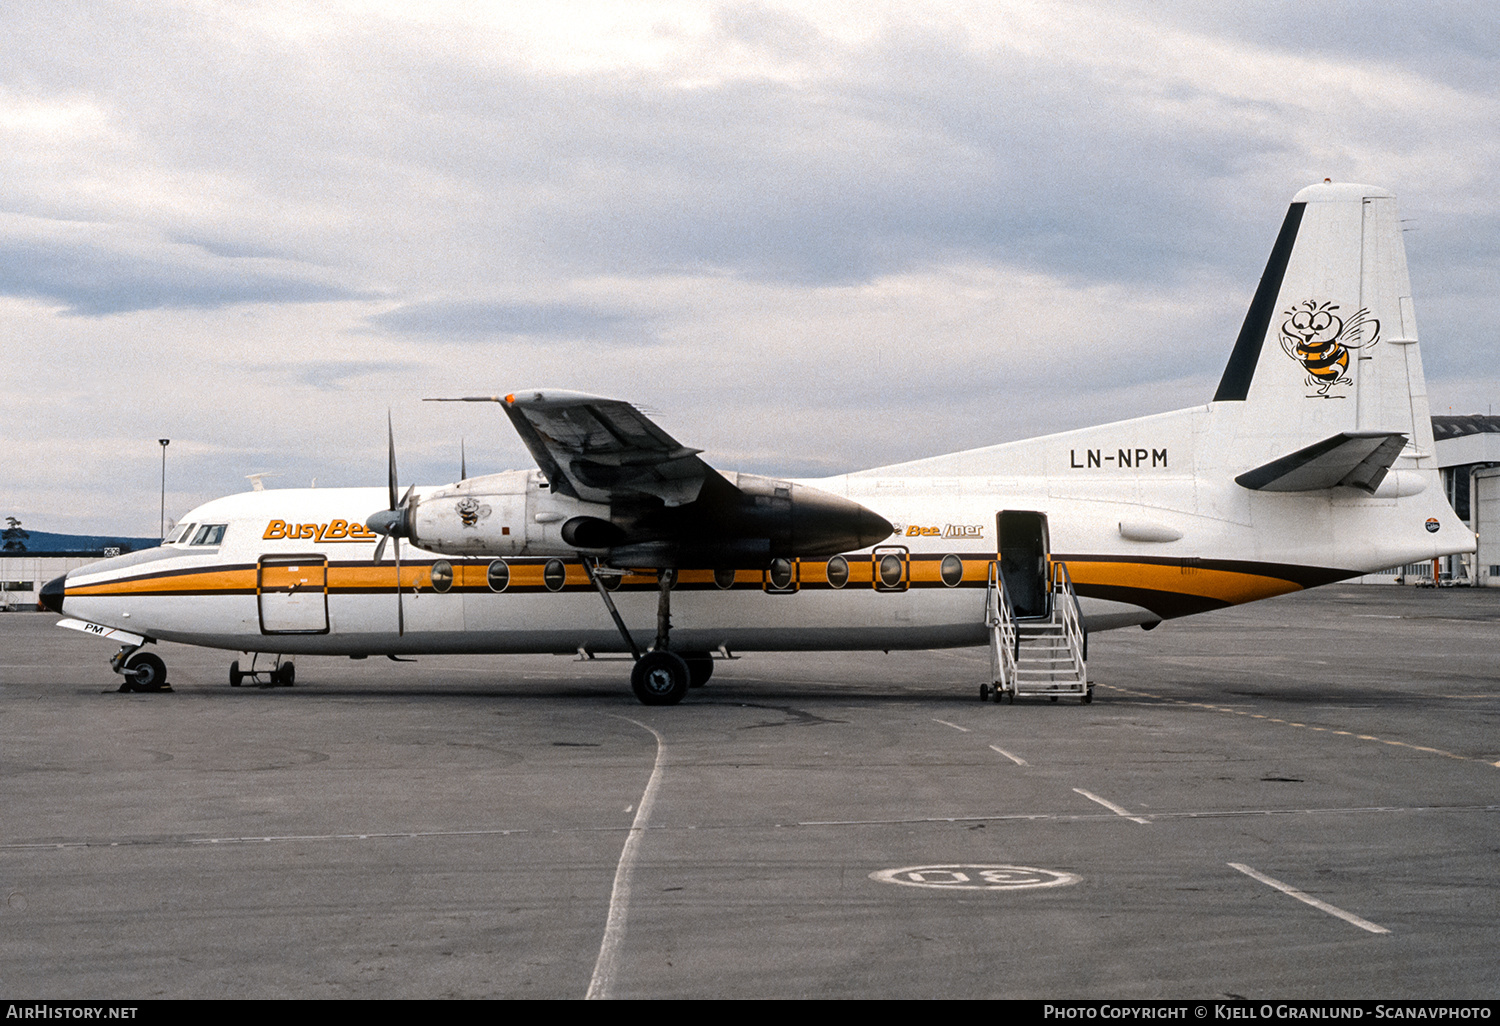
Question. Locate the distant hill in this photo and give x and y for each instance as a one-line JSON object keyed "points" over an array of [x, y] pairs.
{"points": [[16, 540]]}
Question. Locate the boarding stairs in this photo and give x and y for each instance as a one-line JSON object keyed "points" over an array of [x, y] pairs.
{"points": [[1046, 655]]}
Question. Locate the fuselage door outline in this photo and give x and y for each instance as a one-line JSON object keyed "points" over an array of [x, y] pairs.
{"points": [[291, 594], [1025, 554]]}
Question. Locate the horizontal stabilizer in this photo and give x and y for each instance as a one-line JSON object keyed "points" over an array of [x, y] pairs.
{"points": [[1349, 459]]}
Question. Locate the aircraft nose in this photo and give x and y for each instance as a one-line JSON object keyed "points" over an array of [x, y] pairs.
{"points": [[51, 594]]}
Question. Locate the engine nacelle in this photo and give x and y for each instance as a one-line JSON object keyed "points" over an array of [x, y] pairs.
{"points": [[507, 514], [737, 520]]}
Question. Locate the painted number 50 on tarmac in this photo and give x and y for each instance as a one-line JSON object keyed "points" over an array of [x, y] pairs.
{"points": [[975, 878]]}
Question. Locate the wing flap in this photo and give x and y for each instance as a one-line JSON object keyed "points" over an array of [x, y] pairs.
{"points": [[596, 449], [1350, 459]]}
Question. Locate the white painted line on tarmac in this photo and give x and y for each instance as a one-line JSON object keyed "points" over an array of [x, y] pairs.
{"points": [[1302, 726], [1322, 906], [955, 726], [1111, 806], [619, 898], [997, 817], [1013, 758]]}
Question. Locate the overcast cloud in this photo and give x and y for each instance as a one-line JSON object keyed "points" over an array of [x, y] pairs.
{"points": [[810, 240]]}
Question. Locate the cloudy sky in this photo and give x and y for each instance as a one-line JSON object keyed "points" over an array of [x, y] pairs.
{"points": [[808, 240]]}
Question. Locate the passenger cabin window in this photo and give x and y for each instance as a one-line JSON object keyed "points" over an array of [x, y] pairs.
{"points": [[209, 534]]}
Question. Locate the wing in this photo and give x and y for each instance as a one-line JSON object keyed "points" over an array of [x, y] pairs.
{"points": [[596, 449], [604, 450]]}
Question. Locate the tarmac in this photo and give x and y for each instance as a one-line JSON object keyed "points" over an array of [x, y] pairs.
{"points": [[1294, 799]]}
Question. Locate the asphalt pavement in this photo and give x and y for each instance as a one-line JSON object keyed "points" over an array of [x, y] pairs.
{"points": [[1294, 799]]}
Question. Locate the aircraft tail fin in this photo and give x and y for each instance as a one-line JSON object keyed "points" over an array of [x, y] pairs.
{"points": [[1329, 345]]}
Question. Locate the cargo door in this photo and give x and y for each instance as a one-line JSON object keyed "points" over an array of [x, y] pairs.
{"points": [[293, 594]]}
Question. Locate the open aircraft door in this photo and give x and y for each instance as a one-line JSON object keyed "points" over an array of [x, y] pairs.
{"points": [[292, 592], [1024, 551]]}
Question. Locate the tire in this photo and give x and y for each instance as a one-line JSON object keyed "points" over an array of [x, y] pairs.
{"points": [[984, 692], [660, 678], [286, 675], [700, 667], [146, 672], [236, 678]]}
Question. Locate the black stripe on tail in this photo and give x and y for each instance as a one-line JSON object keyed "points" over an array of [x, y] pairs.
{"points": [[1236, 381]]}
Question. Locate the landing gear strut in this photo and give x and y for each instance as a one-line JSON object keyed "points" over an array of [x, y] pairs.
{"points": [[660, 676]]}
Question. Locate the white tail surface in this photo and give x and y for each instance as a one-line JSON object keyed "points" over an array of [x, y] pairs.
{"points": [[1329, 344], [1328, 348]]}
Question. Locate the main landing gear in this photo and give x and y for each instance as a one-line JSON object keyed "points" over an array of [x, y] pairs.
{"points": [[281, 674], [660, 676], [142, 671]]}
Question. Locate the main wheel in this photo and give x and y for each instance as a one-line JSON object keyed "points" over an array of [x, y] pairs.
{"points": [[286, 675], [235, 676], [660, 678], [700, 667], [146, 672]]}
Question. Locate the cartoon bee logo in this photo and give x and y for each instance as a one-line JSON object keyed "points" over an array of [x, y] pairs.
{"points": [[470, 512], [1320, 340]]}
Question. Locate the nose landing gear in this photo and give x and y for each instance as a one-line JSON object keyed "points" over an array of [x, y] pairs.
{"points": [[142, 671]]}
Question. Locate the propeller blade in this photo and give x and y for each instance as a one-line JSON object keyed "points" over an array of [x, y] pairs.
{"points": [[400, 613], [390, 434], [463, 466], [391, 523]]}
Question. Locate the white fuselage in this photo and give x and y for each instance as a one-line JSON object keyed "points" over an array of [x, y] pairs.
{"points": [[1166, 535]]}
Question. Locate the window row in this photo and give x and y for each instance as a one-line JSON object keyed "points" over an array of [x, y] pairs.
{"points": [[890, 571]]}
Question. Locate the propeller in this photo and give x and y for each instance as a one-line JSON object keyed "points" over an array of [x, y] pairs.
{"points": [[394, 523]]}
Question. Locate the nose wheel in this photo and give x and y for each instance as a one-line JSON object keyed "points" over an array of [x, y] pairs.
{"points": [[142, 671]]}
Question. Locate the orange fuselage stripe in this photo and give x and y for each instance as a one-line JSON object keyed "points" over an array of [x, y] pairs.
{"points": [[1229, 586]]}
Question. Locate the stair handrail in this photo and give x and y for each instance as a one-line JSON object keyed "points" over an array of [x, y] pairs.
{"points": [[1071, 616], [1005, 640]]}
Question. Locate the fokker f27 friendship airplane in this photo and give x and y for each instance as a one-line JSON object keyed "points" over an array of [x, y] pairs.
{"points": [[1313, 463]]}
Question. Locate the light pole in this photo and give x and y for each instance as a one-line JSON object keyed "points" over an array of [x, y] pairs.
{"points": [[164, 443]]}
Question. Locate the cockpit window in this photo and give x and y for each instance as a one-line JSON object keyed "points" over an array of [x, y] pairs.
{"points": [[209, 534], [179, 534]]}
